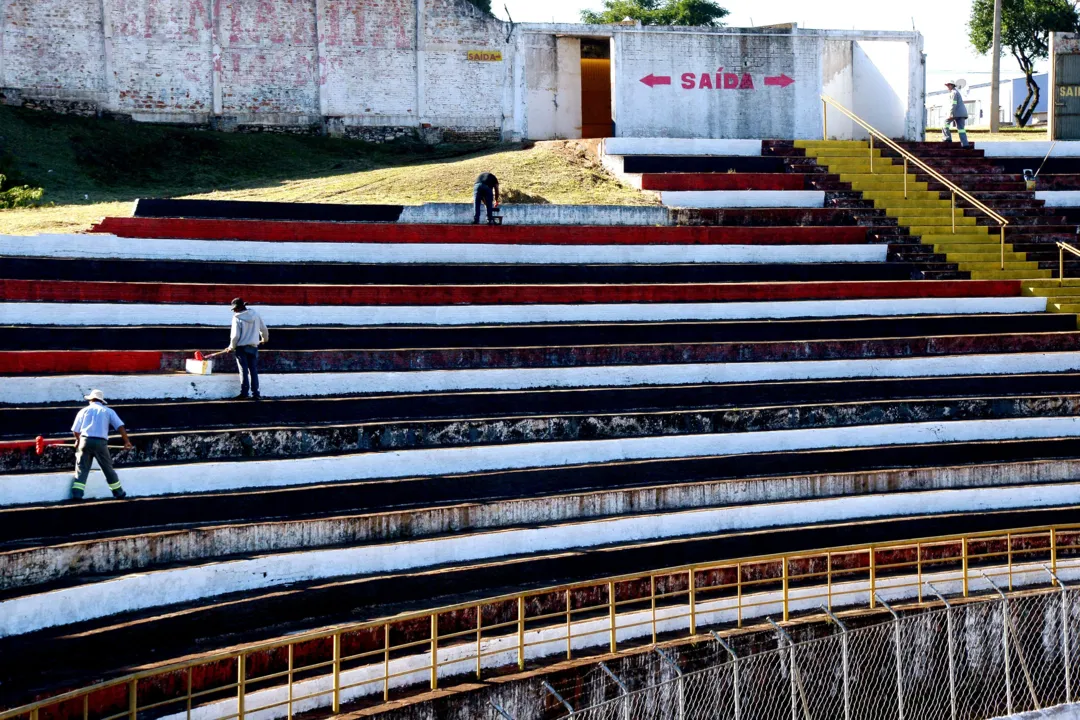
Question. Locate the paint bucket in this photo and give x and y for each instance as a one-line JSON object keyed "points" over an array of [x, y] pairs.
{"points": [[199, 367]]}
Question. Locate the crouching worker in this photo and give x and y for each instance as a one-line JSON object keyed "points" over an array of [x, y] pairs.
{"points": [[91, 429], [485, 193]]}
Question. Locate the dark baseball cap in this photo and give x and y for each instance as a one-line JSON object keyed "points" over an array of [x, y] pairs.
{"points": [[238, 304]]}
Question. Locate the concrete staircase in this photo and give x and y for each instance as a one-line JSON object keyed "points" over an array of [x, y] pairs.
{"points": [[454, 413], [974, 247]]}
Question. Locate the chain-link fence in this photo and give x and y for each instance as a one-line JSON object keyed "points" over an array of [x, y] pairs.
{"points": [[967, 661]]}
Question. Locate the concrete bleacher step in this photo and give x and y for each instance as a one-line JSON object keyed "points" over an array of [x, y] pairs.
{"points": [[310, 427], [56, 525], [143, 637], [601, 352], [818, 263], [314, 336]]}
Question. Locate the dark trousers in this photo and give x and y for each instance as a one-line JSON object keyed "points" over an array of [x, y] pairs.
{"points": [[90, 448], [485, 195], [247, 359]]}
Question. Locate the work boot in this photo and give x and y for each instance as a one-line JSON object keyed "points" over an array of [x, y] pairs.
{"points": [[241, 396], [256, 396], [119, 494]]}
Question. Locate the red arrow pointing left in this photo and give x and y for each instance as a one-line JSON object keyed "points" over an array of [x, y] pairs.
{"points": [[654, 80], [782, 80]]}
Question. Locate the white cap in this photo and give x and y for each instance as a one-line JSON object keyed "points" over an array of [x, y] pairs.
{"points": [[97, 395]]}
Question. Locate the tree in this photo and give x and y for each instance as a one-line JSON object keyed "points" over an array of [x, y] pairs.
{"points": [[1025, 31], [658, 12], [484, 5]]}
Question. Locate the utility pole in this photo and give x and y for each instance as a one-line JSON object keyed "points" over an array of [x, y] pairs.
{"points": [[995, 73]]}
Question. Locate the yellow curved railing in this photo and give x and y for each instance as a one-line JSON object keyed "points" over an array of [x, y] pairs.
{"points": [[954, 189], [550, 623]]}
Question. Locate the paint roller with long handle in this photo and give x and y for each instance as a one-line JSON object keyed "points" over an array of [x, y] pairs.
{"points": [[41, 443]]}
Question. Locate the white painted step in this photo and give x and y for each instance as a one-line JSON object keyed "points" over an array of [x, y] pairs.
{"points": [[126, 314], [222, 476], [72, 388], [112, 247], [744, 198], [681, 146], [1030, 149], [142, 591], [1059, 198]]}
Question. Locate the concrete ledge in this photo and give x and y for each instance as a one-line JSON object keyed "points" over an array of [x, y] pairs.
{"points": [[220, 476], [119, 314], [1032, 149], [39, 565], [70, 388], [744, 198], [128, 593], [1059, 198], [581, 215], [680, 146], [112, 247]]}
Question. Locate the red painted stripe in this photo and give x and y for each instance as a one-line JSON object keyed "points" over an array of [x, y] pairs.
{"points": [[172, 228], [723, 181], [73, 291], [78, 361], [20, 445]]}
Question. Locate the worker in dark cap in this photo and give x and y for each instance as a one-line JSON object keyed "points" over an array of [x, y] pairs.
{"points": [[485, 192], [248, 333]]}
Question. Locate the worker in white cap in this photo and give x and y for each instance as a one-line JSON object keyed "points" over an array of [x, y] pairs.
{"points": [[958, 116], [91, 429]]}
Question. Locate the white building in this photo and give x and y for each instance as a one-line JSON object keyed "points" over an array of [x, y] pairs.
{"points": [[977, 99]]}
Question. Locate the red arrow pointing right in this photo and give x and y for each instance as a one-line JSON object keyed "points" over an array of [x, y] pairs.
{"points": [[654, 80], [781, 80]]}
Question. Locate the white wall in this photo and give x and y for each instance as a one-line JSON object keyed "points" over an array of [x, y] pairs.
{"points": [[879, 74], [837, 80], [567, 88], [356, 63], [881, 81]]}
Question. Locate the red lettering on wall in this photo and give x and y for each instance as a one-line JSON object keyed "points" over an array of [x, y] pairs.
{"points": [[706, 82], [731, 81], [747, 82], [689, 81]]}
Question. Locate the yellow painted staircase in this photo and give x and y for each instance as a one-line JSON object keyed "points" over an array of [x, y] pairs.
{"points": [[1061, 296], [976, 249]]}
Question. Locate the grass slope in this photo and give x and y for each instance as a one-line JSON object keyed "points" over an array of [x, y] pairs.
{"points": [[91, 168]]}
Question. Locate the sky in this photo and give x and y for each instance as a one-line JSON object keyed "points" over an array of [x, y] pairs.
{"points": [[943, 24]]}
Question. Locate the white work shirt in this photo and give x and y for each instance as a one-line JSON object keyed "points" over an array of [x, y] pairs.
{"points": [[95, 420]]}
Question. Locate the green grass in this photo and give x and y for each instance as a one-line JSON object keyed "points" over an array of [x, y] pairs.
{"points": [[983, 134], [90, 168]]}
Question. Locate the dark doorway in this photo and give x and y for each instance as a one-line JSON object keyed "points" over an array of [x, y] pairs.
{"points": [[596, 88]]}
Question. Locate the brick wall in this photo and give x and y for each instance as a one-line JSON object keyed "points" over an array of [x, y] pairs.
{"points": [[263, 62], [54, 47]]}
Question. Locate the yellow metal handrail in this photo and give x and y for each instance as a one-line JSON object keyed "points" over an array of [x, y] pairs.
{"points": [[1062, 249], [909, 157], [838, 576]]}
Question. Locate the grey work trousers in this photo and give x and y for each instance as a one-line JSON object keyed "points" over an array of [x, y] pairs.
{"points": [[961, 130], [90, 448]]}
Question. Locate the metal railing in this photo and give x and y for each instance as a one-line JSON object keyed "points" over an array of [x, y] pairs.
{"points": [[964, 661], [414, 650], [954, 189], [1062, 249]]}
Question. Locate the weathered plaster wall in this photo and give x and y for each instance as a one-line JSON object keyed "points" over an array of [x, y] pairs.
{"points": [[761, 85], [369, 68]]}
